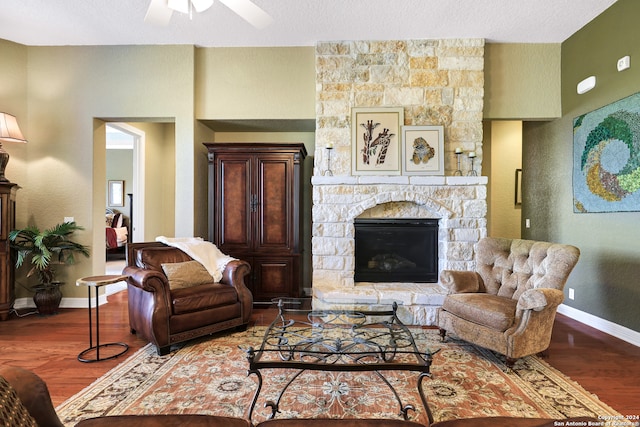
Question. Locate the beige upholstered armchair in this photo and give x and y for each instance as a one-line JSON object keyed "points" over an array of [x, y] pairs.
{"points": [[509, 303]]}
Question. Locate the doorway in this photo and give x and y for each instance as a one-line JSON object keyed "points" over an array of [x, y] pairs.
{"points": [[125, 158], [124, 166]]}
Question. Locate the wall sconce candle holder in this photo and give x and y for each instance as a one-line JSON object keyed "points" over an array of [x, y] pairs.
{"points": [[329, 149], [472, 171], [458, 171]]}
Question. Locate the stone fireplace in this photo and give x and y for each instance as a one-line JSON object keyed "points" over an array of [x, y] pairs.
{"points": [[437, 82]]}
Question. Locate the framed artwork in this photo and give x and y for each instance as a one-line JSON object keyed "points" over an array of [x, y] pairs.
{"points": [[375, 140], [423, 150], [518, 196], [116, 193], [606, 158]]}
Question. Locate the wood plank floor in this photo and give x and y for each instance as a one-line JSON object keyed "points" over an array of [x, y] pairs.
{"points": [[49, 346]]}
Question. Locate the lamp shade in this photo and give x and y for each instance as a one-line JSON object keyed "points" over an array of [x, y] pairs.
{"points": [[9, 129]]}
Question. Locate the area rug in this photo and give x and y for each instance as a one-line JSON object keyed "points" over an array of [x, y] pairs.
{"points": [[209, 376]]}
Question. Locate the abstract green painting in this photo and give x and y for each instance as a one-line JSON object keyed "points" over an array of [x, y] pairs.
{"points": [[606, 158]]}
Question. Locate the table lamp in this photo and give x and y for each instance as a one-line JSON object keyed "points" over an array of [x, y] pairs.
{"points": [[9, 132]]}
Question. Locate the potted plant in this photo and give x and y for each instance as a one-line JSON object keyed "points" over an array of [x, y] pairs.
{"points": [[46, 249]]}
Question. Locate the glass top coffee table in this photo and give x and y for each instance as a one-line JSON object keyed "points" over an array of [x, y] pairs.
{"points": [[301, 339]]}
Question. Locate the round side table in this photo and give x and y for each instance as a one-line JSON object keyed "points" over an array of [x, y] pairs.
{"points": [[96, 282]]}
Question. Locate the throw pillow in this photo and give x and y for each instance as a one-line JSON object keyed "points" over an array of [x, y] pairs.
{"points": [[186, 274], [12, 411]]}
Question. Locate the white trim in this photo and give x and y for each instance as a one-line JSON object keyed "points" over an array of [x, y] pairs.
{"points": [[76, 302], [115, 288], [603, 325]]}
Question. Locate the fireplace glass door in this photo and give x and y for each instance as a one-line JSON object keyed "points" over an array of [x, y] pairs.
{"points": [[396, 250]]}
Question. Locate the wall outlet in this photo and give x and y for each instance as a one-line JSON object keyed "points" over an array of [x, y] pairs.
{"points": [[69, 219], [572, 293], [527, 223], [624, 63]]}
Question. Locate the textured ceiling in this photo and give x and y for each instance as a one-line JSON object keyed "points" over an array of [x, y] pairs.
{"points": [[296, 22]]}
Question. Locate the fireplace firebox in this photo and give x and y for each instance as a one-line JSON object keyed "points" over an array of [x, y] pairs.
{"points": [[396, 250]]}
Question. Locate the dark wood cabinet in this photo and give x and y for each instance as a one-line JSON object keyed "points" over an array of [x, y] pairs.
{"points": [[255, 198], [7, 270]]}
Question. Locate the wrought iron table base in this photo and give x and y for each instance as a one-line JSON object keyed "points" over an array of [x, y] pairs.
{"points": [[307, 347]]}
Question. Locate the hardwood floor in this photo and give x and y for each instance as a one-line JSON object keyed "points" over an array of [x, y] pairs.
{"points": [[49, 346]]}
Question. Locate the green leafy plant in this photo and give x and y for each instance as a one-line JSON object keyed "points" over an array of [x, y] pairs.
{"points": [[45, 249]]}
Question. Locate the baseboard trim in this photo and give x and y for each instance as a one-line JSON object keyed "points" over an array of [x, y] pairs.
{"points": [[65, 303], [613, 329]]}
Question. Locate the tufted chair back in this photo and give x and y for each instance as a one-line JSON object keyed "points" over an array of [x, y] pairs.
{"points": [[508, 267]]}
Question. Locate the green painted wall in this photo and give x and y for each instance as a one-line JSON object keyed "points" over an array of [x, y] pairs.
{"points": [[606, 277], [522, 81]]}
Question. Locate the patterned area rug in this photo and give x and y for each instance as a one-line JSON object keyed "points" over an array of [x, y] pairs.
{"points": [[209, 376]]}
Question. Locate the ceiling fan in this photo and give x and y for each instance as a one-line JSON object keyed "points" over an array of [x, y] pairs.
{"points": [[160, 11]]}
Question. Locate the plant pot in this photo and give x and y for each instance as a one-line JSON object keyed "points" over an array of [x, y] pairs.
{"points": [[47, 300]]}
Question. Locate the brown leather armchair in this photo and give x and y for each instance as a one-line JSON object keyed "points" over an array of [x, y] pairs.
{"points": [[166, 316], [509, 303]]}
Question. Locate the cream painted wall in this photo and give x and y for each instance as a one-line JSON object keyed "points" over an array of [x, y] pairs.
{"points": [[506, 157], [160, 173], [13, 100], [119, 166], [70, 86], [255, 83], [522, 81], [201, 185]]}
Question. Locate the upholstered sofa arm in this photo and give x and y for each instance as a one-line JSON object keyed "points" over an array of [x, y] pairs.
{"points": [[234, 272], [458, 282], [147, 280], [540, 298]]}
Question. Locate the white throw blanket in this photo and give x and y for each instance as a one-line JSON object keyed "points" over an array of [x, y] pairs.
{"points": [[206, 253]]}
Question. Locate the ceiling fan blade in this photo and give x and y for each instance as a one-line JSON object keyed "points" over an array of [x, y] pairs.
{"points": [[250, 12], [181, 6], [158, 13], [201, 5]]}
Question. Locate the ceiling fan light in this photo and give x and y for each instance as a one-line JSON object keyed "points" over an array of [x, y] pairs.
{"points": [[201, 5], [181, 6]]}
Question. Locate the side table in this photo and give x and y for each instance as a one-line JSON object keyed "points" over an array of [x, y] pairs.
{"points": [[96, 282]]}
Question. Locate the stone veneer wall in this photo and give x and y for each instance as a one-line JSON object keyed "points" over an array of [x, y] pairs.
{"points": [[437, 82]]}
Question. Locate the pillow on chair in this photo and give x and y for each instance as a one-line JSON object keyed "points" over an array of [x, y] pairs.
{"points": [[186, 274]]}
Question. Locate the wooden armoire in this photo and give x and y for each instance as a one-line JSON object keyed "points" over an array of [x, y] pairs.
{"points": [[255, 208], [7, 223]]}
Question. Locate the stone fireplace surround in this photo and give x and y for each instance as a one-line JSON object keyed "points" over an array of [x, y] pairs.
{"points": [[459, 203], [437, 82]]}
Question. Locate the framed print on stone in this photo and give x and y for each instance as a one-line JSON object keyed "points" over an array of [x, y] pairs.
{"points": [[423, 150], [375, 140]]}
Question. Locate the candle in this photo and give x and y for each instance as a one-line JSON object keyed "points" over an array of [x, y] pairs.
{"points": [[458, 150], [472, 154], [329, 145]]}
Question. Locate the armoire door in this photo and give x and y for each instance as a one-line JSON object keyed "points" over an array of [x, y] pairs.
{"points": [[233, 218], [274, 204]]}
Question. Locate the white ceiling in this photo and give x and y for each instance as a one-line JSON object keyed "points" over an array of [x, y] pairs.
{"points": [[296, 22]]}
